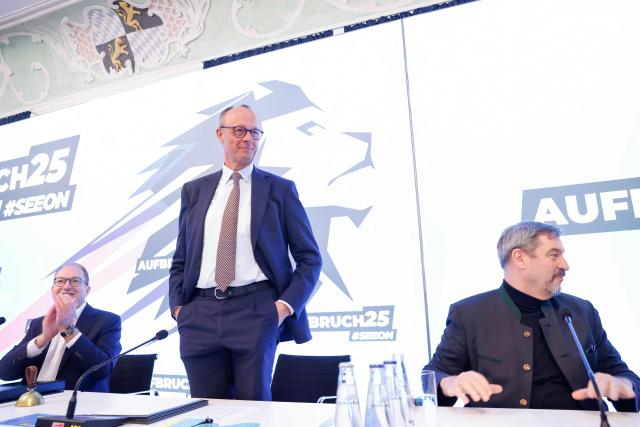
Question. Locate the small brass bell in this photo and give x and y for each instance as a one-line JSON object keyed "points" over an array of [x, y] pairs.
{"points": [[31, 397]]}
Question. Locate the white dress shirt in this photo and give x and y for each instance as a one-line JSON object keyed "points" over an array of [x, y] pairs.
{"points": [[51, 364], [247, 269]]}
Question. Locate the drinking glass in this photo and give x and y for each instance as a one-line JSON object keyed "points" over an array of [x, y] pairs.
{"points": [[429, 397]]}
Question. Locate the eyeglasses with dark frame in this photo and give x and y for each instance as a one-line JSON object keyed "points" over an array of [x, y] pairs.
{"points": [[75, 281], [240, 132]]}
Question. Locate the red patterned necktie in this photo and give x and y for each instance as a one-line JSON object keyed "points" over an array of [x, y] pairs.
{"points": [[226, 255]]}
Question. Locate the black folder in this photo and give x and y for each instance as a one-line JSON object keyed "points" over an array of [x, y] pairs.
{"points": [[168, 413], [144, 409]]}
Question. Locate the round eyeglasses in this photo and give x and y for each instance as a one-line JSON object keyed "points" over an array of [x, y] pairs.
{"points": [[74, 281], [240, 132]]}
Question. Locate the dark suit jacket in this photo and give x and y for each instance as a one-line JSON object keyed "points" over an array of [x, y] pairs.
{"points": [[484, 334], [279, 224], [99, 341]]}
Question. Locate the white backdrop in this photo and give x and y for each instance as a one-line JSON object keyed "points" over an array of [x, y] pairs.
{"points": [[404, 167], [513, 96]]}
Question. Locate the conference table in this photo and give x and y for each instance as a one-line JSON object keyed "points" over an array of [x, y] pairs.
{"points": [[284, 414]]}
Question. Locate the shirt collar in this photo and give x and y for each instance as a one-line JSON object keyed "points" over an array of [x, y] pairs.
{"points": [[245, 173], [526, 303], [79, 309]]}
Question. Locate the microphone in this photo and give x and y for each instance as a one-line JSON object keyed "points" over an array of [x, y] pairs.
{"points": [[2, 320], [69, 421], [565, 313]]}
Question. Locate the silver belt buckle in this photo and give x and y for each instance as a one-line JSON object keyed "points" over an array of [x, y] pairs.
{"points": [[215, 293]]}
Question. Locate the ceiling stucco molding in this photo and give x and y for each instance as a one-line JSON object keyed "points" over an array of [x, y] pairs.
{"points": [[29, 10], [93, 47]]}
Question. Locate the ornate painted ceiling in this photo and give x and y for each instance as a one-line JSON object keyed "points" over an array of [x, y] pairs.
{"points": [[92, 48]]}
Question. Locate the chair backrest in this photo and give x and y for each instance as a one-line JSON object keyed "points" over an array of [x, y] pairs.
{"points": [[305, 378], [132, 373]]}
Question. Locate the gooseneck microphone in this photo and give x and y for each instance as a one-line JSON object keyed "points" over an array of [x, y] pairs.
{"points": [[565, 313], [71, 408]]}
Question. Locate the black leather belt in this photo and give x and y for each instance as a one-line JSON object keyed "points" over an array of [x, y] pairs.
{"points": [[236, 291]]}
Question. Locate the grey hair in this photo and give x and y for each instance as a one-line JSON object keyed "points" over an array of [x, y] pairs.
{"points": [[523, 235], [75, 264], [224, 112]]}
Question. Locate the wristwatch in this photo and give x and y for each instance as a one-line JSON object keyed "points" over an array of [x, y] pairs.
{"points": [[68, 330]]}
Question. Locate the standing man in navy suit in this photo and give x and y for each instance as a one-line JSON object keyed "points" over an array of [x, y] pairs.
{"points": [[68, 340], [232, 288]]}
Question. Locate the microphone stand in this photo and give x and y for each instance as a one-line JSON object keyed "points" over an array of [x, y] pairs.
{"points": [[98, 421], [604, 421]]}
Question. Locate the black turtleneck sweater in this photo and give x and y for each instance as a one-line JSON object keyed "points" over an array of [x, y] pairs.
{"points": [[550, 389]]}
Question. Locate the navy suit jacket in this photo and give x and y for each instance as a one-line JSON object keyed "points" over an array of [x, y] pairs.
{"points": [[99, 341], [279, 224], [484, 334]]}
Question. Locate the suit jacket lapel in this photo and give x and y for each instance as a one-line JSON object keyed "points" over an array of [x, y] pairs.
{"points": [[260, 183], [84, 323], [560, 344], [206, 192]]}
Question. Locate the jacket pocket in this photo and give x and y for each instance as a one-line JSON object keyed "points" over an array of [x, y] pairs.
{"points": [[592, 356], [487, 358]]}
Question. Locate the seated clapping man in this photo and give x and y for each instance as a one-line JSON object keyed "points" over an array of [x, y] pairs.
{"points": [[69, 339]]}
